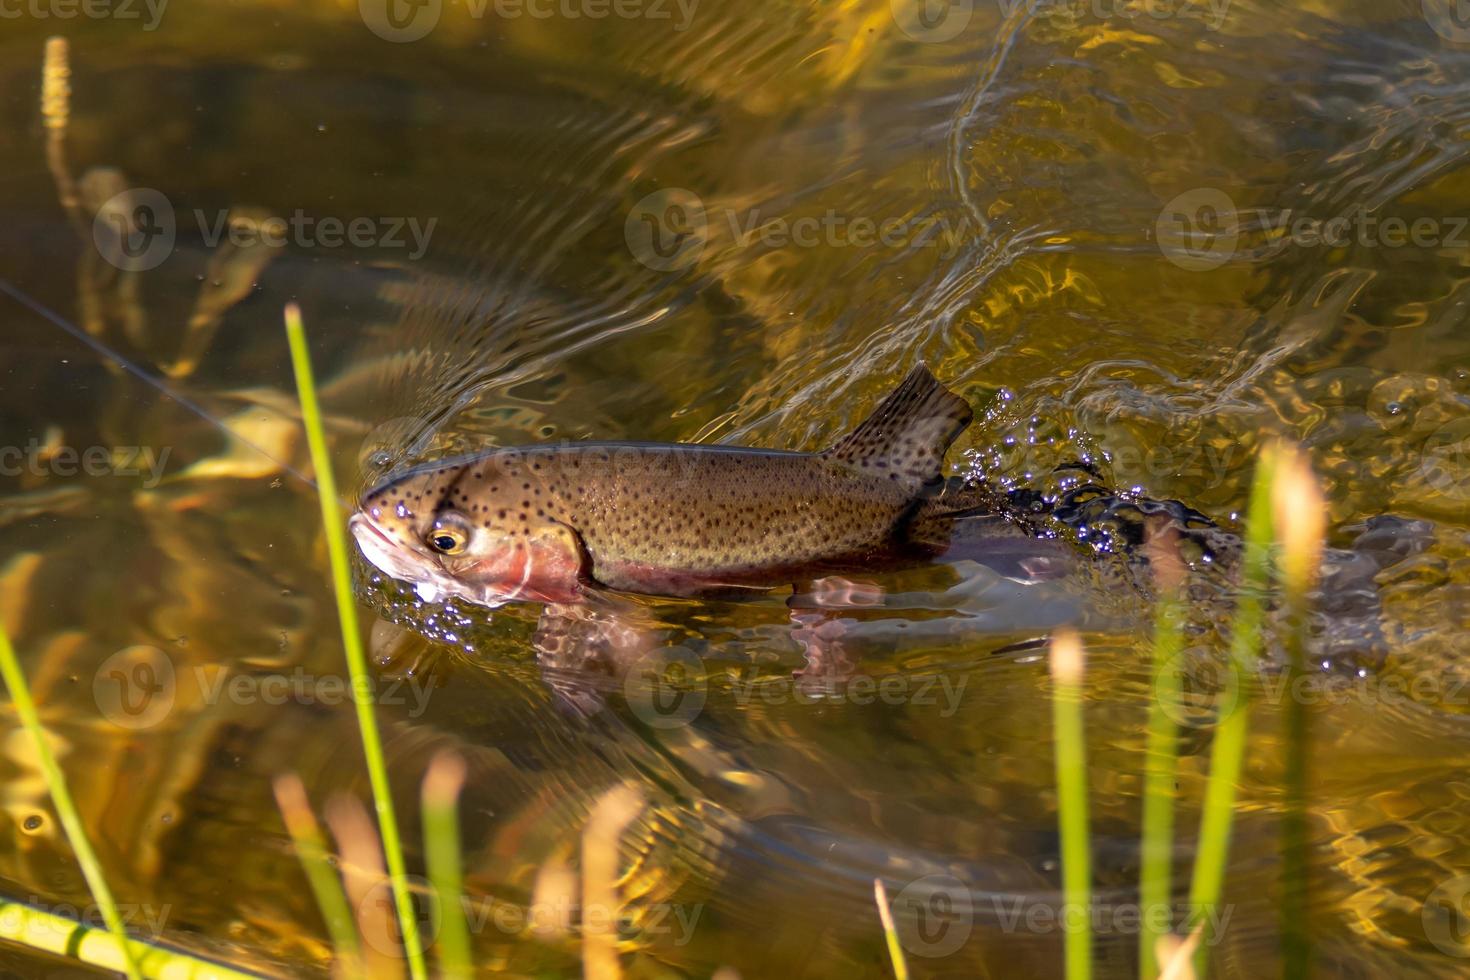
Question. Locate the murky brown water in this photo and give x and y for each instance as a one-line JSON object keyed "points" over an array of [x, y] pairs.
{"points": [[1103, 223]]}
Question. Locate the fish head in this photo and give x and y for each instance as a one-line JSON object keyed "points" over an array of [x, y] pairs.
{"points": [[453, 529]]}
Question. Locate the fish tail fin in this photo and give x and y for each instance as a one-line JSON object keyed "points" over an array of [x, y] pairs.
{"points": [[907, 435]]}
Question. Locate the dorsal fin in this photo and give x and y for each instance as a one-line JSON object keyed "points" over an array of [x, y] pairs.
{"points": [[906, 436]]}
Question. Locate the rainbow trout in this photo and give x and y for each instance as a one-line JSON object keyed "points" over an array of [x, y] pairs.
{"points": [[560, 523]]}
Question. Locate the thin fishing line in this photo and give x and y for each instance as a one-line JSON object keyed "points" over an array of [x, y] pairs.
{"points": [[56, 319]]}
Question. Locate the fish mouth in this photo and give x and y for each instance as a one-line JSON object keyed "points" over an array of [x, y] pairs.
{"points": [[397, 561], [383, 552]]}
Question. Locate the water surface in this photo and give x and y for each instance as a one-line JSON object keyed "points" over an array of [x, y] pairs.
{"points": [[742, 226]]}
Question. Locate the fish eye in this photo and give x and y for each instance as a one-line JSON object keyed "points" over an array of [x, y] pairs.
{"points": [[448, 536]]}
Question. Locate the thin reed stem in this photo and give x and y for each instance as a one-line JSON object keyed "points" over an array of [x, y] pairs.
{"points": [[326, 886], [1227, 755], [890, 932], [40, 930], [1071, 764], [66, 808], [367, 722], [441, 791], [1155, 886]]}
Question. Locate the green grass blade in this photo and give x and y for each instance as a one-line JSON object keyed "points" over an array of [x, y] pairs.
{"points": [[367, 722], [446, 866], [1071, 764], [890, 932], [1295, 941], [1227, 755], [1155, 885], [40, 930], [1301, 526], [325, 884], [66, 808]]}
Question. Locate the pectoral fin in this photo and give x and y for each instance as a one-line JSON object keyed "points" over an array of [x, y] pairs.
{"points": [[907, 435]]}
